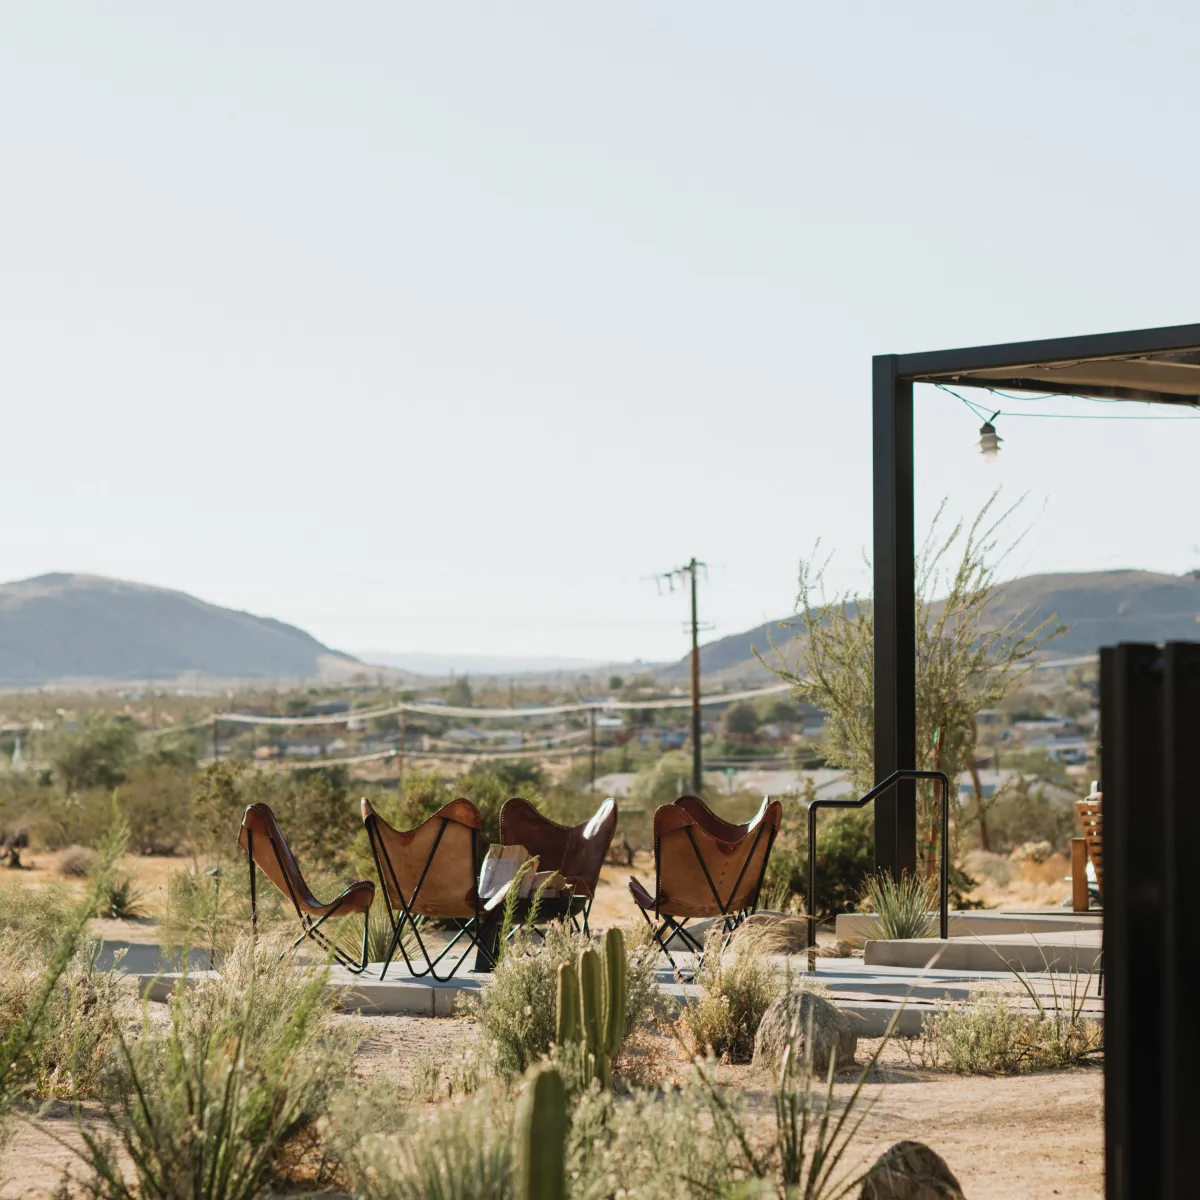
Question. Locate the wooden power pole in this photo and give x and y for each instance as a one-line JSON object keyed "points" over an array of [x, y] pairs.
{"points": [[690, 573]]}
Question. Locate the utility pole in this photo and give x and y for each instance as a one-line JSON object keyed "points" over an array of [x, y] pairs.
{"points": [[403, 739], [216, 744], [593, 716], [689, 571]]}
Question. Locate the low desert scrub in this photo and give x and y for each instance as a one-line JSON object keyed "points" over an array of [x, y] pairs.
{"points": [[76, 862], [993, 1033], [693, 1143], [737, 989], [37, 916], [901, 908], [451, 1151], [516, 1011], [51, 1039], [211, 1106], [81, 1015]]}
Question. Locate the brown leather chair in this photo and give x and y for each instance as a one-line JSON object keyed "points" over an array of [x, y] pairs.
{"points": [[431, 871], [576, 852], [268, 851], [704, 867]]}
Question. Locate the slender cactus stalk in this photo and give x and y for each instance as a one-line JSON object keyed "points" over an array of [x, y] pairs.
{"points": [[541, 1133]]}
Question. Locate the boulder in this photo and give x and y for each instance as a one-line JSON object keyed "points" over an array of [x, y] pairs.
{"points": [[830, 1031], [910, 1171]]}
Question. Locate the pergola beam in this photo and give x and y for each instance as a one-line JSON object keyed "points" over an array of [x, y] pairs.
{"points": [[895, 617]]}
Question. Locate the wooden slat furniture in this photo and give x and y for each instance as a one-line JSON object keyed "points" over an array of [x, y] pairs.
{"points": [[1093, 830]]}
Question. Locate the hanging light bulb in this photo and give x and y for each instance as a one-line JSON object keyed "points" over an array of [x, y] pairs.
{"points": [[989, 439]]}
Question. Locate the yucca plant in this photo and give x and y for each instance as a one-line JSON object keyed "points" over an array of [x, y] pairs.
{"points": [[121, 900], [901, 907]]}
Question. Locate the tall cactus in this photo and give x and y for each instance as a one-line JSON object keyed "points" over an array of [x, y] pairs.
{"points": [[566, 1005], [540, 1134], [595, 1017]]}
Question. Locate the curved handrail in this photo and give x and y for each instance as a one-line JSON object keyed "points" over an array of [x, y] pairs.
{"points": [[894, 778]]}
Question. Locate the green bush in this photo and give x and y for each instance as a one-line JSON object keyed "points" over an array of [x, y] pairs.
{"points": [[845, 858], [993, 1034], [96, 753]]}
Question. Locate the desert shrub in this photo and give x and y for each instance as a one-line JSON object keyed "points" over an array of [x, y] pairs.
{"points": [[668, 779], [208, 1107], [35, 916], [993, 1034], [736, 991], [316, 810], [76, 862], [516, 1011], [649, 1145], [95, 754], [155, 799], [447, 1152], [82, 1014], [901, 907], [1029, 811], [845, 857], [36, 954]]}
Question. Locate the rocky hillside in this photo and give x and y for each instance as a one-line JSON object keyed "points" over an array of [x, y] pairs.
{"points": [[1101, 608], [87, 629]]}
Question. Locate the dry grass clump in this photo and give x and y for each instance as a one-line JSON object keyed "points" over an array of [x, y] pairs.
{"points": [[737, 990], [772, 933]]}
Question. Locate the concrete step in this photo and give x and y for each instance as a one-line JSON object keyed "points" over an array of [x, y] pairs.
{"points": [[858, 927], [1078, 951]]}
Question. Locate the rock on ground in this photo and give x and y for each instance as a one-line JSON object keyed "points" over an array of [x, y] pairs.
{"points": [[910, 1171], [830, 1031]]}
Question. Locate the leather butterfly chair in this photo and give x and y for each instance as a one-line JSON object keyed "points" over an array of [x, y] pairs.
{"points": [[268, 851], [432, 871], [704, 867], [577, 852]]}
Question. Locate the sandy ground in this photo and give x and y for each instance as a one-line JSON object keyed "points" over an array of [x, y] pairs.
{"points": [[1035, 1135]]}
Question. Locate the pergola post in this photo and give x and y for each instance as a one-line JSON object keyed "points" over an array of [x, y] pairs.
{"points": [[895, 616]]}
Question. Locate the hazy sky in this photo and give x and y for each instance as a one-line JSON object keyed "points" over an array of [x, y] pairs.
{"points": [[444, 326]]}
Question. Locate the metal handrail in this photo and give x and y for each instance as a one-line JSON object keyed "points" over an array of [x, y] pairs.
{"points": [[894, 778]]}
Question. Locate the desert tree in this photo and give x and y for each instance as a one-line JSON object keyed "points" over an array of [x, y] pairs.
{"points": [[967, 659]]}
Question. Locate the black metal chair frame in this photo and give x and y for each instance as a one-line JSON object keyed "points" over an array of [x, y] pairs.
{"points": [[312, 929], [730, 918], [471, 927]]}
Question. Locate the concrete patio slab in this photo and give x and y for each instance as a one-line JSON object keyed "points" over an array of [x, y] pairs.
{"points": [[870, 996]]}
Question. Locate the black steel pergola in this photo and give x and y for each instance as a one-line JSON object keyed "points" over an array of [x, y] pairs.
{"points": [[1157, 365]]}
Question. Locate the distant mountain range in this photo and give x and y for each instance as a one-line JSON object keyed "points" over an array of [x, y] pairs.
{"points": [[1101, 608], [86, 629]]}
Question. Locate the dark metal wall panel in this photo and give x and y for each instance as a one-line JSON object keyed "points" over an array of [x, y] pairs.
{"points": [[1135, 862], [1181, 932], [895, 616]]}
